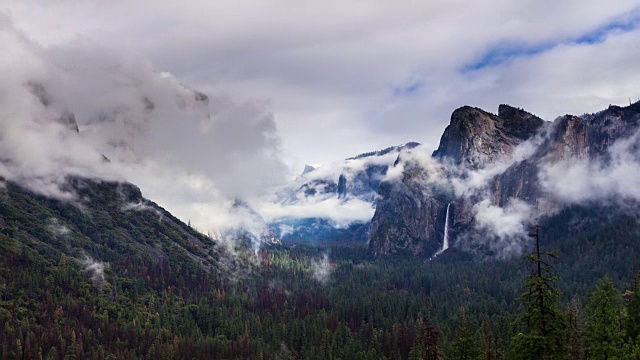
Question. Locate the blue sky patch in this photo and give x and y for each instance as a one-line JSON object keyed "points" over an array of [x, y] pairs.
{"points": [[407, 89], [506, 51]]}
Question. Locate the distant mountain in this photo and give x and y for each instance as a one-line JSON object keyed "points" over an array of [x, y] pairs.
{"points": [[345, 193], [501, 173], [253, 232]]}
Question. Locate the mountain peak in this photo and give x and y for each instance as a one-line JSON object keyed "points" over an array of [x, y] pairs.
{"points": [[477, 137], [307, 169]]}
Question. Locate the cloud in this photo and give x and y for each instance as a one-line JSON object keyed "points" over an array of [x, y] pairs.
{"points": [[142, 207], [321, 269], [504, 52], [65, 108], [615, 177], [432, 171], [505, 221], [315, 193], [473, 182], [95, 269], [335, 65], [57, 229], [331, 73], [508, 225], [341, 212]]}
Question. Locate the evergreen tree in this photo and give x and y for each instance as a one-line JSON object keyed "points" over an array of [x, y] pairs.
{"points": [[543, 335], [71, 350], [633, 311], [465, 345], [605, 333], [576, 332], [52, 354]]}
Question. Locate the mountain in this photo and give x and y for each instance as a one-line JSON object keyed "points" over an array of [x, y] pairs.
{"points": [[476, 138], [106, 221], [500, 173], [252, 231], [334, 203]]}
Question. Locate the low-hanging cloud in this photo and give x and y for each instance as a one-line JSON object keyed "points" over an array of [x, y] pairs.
{"points": [[321, 269], [314, 194], [431, 171], [508, 225], [615, 177], [141, 206], [56, 228], [472, 182], [87, 111], [95, 269], [341, 212]]}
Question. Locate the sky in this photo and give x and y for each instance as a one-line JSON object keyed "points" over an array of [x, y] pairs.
{"points": [[345, 77], [301, 82]]}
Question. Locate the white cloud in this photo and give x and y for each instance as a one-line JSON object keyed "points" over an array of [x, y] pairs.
{"points": [[341, 212], [432, 171], [329, 66], [57, 229], [505, 221], [95, 269], [617, 177], [507, 226], [186, 151], [471, 182], [321, 269], [141, 206]]}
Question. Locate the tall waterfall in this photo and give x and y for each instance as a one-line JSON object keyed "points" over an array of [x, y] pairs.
{"points": [[445, 243]]}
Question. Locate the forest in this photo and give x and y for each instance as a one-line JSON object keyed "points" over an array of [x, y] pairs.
{"points": [[306, 301]]}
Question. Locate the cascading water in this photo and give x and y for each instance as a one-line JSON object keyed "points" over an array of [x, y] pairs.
{"points": [[445, 243]]}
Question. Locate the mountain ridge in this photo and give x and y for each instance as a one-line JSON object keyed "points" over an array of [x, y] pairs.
{"points": [[509, 153]]}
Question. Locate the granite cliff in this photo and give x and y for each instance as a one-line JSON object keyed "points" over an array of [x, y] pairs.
{"points": [[507, 152]]}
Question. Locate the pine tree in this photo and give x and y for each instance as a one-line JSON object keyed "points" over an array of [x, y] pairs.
{"points": [[576, 334], [71, 350], [633, 311], [465, 345], [605, 333], [52, 354], [543, 335]]}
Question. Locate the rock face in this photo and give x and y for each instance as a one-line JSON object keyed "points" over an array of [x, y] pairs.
{"points": [[569, 137], [409, 219], [475, 137], [410, 214]]}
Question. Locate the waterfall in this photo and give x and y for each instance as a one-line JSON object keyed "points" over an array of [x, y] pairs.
{"points": [[445, 242]]}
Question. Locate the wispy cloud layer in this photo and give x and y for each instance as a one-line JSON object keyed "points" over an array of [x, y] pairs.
{"points": [[82, 110], [614, 179], [383, 73]]}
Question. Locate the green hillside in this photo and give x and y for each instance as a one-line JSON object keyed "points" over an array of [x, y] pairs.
{"points": [[112, 275]]}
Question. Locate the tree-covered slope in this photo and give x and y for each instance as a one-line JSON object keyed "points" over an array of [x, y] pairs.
{"points": [[103, 281]]}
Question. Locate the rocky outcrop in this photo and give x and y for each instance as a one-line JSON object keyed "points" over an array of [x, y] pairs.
{"points": [[409, 219], [475, 137], [410, 214], [569, 137]]}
